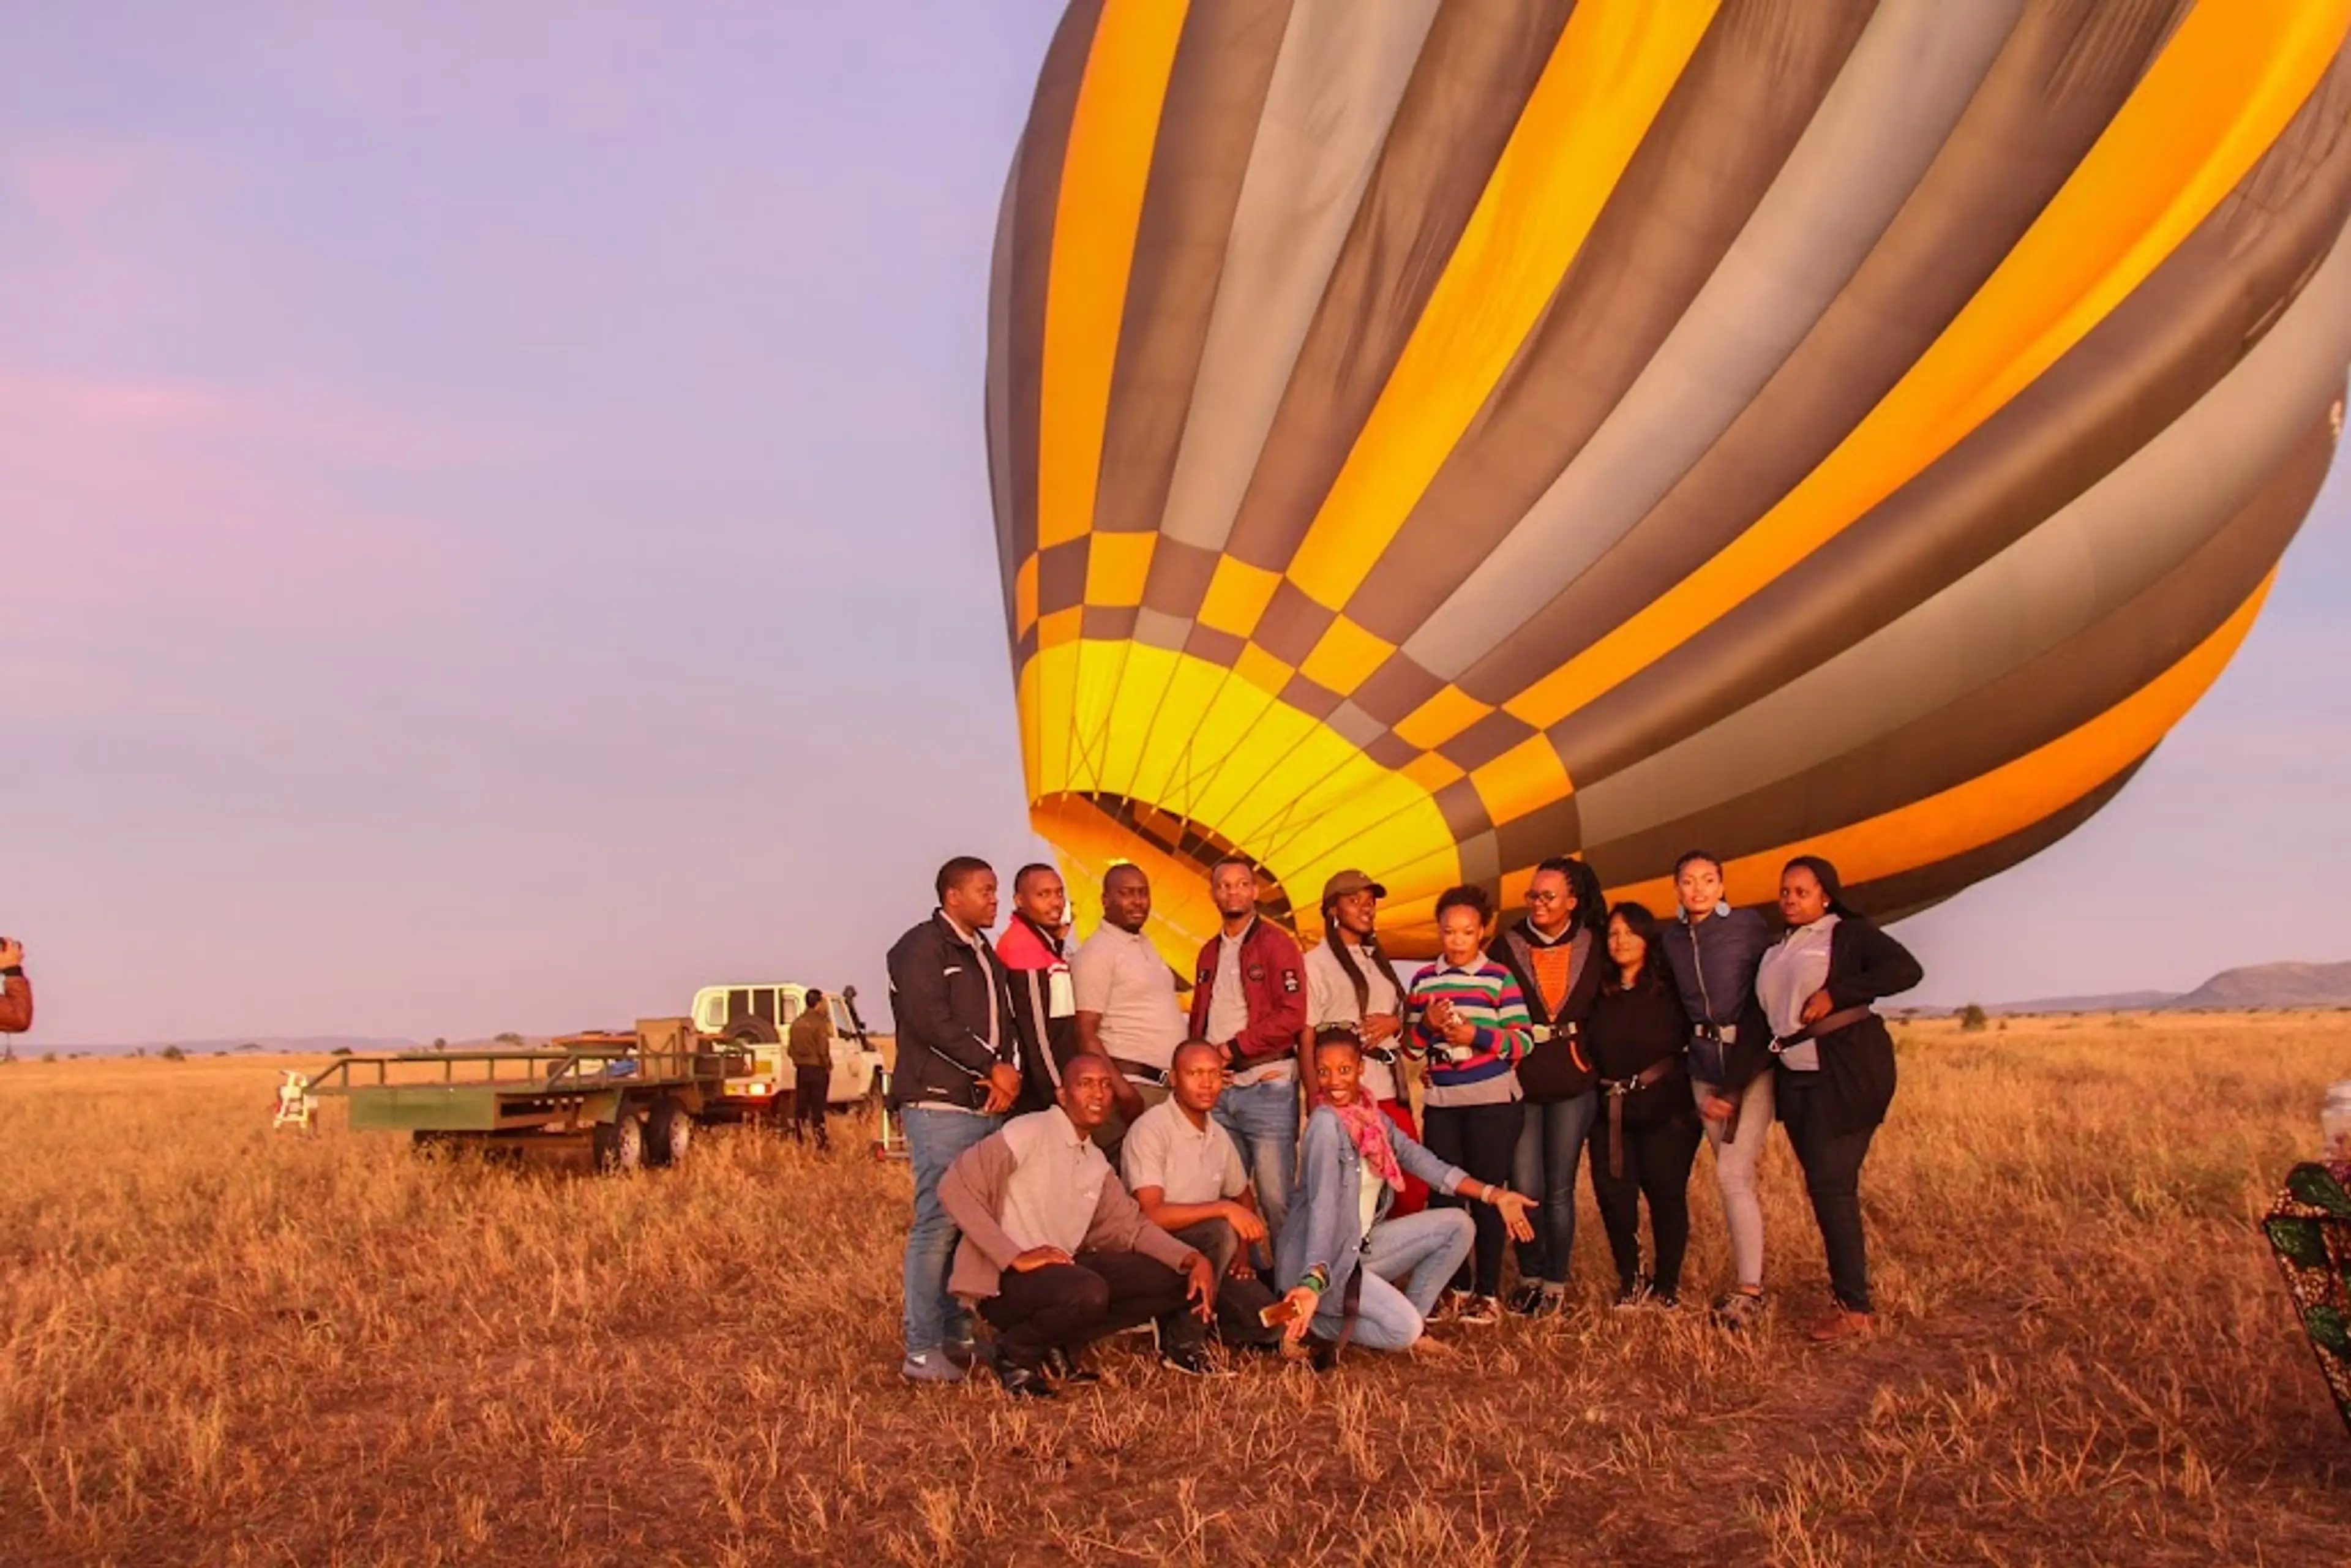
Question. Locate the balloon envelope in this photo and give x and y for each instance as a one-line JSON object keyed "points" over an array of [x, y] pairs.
{"points": [[1430, 438]]}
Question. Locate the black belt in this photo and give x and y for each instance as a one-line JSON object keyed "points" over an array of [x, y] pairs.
{"points": [[1154, 1076], [1844, 1019], [1544, 1032], [1615, 1089]]}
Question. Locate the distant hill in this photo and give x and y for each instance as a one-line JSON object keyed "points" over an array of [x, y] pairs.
{"points": [[239, 1045], [2274, 986], [2253, 986]]}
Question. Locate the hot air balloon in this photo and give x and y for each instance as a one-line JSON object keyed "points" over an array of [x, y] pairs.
{"points": [[1434, 438]]}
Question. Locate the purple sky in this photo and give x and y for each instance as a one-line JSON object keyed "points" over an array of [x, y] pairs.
{"points": [[494, 533]]}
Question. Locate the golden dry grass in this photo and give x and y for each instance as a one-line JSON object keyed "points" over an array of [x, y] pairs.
{"points": [[222, 1345]]}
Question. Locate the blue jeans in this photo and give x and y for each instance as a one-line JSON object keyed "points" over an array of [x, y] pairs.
{"points": [[933, 1138], [1549, 1152], [1263, 1120], [1422, 1250]]}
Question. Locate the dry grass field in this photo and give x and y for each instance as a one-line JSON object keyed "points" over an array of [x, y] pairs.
{"points": [[222, 1345]]}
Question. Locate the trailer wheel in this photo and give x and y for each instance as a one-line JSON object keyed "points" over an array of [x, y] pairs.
{"points": [[619, 1143], [669, 1131]]}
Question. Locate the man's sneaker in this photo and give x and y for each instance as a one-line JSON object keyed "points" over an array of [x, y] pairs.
{"points": [[1631, 1293], [1024, 1382], [1482, 1312], [963, 1352], [1527, 1298], [1739, 1309], [1063, 1367], [930, 1366], [1192, 1361], [1449, 1302], [1843, 1323], [1666, 1301]]}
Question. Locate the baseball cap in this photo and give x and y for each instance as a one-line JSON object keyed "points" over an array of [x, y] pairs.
{"points": [[1343, 882]]}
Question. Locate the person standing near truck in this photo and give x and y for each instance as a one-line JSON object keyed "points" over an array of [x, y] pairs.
{"points": [[15, 990], [955, 1076], [1037, 964], [811, 1049]]}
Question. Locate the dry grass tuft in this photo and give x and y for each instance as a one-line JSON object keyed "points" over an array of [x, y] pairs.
{"points": [[224, 1345]]}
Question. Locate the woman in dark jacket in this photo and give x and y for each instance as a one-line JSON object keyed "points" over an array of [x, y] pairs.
{"points": [[1646, 1134], [1557, 951], [1835, 1076]]}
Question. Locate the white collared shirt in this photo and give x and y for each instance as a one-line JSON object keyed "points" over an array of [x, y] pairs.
{"points": [[1792, 970], [1330, 1001], [1056, 1183], [1120, 975], [1187, 1163]]}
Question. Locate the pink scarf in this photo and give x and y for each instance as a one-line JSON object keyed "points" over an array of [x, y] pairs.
{"points": [[1368, 1126]]}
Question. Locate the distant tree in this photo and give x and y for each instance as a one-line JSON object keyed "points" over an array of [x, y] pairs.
{"points": [[250, 1045], [509, 1038], [143, 1050], [48, 1056], [340, 1051], [1973, 1018], [440, 1044], [2003, 1026], [174, 1053]]}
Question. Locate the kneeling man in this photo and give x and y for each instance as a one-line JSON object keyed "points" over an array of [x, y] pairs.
{"points": [[1185, 1173], [1055, 1254]]}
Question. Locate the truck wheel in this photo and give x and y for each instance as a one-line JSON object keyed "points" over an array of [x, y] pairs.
{"points": [[619, 1143], [668, 1132], [752, 1031]]}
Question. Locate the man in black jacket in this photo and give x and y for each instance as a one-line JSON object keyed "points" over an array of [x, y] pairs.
{"points": [[956, 1073]]}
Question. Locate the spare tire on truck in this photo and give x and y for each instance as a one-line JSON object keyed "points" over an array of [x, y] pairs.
{"points": [[751, 1031]]}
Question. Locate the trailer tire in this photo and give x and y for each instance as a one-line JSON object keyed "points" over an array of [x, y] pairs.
{"points": [[669, 1132], [619, 1143]]}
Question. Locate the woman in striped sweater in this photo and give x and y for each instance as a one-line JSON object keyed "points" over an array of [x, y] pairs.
{"points": [[1470, 1024]]}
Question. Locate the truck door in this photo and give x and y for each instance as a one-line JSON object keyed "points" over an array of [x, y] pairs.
{"points": [[849, 1069]]}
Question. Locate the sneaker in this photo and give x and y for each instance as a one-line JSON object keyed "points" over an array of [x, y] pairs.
{"points": [[1843, 1323], [1527, 1298], [1192, 1361], [1063, 1367], [1449, 1302], [1631, 1293], [1024, 1382], [930, 1366], [1666, 1301], [1482, 1312], [1739, 1309]]}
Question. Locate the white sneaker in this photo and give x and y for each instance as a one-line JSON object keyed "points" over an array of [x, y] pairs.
{"points": [[930, 1366]]}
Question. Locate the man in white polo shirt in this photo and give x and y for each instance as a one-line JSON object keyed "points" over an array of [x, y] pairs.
{"points": [[1126, 1001], [1185, 1174]]}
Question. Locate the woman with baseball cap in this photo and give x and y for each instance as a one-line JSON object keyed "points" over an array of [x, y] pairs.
{"points": [[1351, 984]]}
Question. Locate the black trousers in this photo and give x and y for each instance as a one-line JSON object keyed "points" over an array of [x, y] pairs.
{"points": [[1070, 1305], [1238, 1300], [809, 1086], [1481, 1140], [1832, 1163], [1657, 1162]]}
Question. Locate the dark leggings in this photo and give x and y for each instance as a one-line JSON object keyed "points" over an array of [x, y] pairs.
{"points": [[1832, 1163], [1658, 1158], [1481, 1140]]}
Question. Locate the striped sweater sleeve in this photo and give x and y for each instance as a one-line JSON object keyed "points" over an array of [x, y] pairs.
{"points": [[1510, 1036]]}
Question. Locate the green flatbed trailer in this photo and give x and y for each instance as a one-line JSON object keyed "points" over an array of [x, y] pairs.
{"points": [[615, 1100]]}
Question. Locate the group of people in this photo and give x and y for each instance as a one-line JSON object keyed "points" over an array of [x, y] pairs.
{"points": [[1315, 1152]]}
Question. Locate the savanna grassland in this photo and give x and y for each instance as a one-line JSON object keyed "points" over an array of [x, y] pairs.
{"points": [[218, 1344]]}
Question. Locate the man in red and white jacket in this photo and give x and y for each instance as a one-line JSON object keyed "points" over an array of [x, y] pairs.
{"points": [[1249, 999]]}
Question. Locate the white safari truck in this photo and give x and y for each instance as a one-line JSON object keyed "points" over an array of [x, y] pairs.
{"points": [[756, 1018]]}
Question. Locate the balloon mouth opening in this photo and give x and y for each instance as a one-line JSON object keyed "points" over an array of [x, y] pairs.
{"points": [[1099, 828]]}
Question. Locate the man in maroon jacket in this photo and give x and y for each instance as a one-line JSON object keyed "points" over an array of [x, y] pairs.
{"points": [[1249, 999], [15, 991]]}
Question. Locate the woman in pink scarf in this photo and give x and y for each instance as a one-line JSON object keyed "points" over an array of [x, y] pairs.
{"points": [[1351, 1273]]}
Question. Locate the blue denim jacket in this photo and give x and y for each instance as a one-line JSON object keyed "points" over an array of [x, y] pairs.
{"points": [[1325, 1223]]}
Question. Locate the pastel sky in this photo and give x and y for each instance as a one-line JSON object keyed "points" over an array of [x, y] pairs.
{"points": [[494, 533]]}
